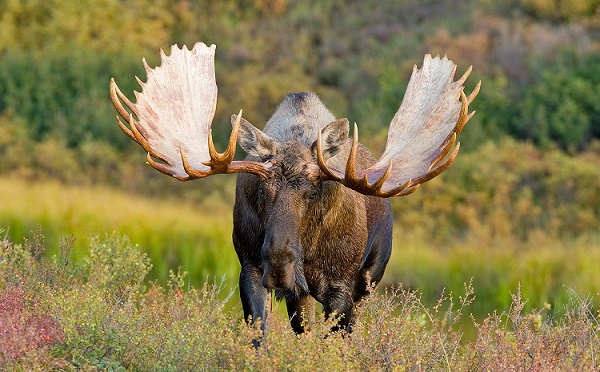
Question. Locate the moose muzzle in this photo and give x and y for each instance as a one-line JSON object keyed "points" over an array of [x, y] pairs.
{"points": [[279, 277]]}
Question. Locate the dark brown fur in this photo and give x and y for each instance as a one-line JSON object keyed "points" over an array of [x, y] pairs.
{"points": [[306, 238]]}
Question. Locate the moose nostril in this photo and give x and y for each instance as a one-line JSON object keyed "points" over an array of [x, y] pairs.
{"points": [[267, 281]]}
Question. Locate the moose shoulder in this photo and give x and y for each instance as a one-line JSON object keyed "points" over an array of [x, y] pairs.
{"points": [[311, 218]]}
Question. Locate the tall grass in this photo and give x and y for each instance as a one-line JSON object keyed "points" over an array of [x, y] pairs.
{"points": [[172, 233], [545, 274]]}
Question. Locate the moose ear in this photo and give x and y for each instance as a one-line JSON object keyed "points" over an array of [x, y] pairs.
{"points": [[333, 137], [253, 140]]}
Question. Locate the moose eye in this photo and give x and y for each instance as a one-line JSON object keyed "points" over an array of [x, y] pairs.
{"points": [[263, 192], [314, 194]]}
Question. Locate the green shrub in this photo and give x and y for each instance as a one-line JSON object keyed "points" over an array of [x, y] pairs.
{"points": [[58, 314], [64, 94]]}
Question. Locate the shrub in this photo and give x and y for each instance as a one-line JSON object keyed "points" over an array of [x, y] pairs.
{"points": [[24, 330], [100, 314]]}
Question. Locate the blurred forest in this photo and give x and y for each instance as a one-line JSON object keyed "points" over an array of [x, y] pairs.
{"points": [[539, 61], [529, 165]]}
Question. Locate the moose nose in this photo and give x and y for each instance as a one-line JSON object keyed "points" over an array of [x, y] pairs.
{"points": [[268, 282], [267, 278], [281, 278]]}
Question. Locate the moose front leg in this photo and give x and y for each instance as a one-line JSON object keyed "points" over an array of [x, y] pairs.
{"points": [[301, 312], [338, 302], [253, 295]]}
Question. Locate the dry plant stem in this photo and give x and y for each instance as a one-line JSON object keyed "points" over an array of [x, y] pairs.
{"points": [[438, 334]]}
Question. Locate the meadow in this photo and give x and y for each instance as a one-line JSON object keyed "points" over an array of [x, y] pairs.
{"points": [[173, 233], [492, 219], [493, 266]]}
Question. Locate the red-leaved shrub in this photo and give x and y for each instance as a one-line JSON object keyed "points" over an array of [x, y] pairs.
{"points": [[24, 329]]}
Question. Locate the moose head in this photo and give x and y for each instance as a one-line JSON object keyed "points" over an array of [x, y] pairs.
{"points": [[311, 216]]}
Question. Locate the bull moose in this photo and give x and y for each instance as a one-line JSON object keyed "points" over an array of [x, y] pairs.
{"points": [[312, 218]]}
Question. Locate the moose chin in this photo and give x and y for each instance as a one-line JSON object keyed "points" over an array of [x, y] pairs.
{"points": [[312, 218]]}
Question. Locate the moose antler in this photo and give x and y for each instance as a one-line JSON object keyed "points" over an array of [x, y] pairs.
{"points": [[174, 113], [421, 138]]}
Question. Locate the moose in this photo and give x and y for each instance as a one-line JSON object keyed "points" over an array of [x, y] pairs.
{"points": [[312, 217]]}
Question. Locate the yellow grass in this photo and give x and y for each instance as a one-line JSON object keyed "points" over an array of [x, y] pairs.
{"points": [[173, 233]]}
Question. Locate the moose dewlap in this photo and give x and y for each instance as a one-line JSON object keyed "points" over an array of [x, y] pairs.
{"points": [[311, 216]]}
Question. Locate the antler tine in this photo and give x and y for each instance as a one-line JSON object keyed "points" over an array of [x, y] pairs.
{"points": [[221, 160], [124, 128], [453, 71], [399, 190], [115, 94], [445, 150], [139, 138], [164, 169], [321, 159], [442, 166], [192, 172], [229, 153], [351, 178], [408, 191], [464, 76], [351, 163], [377, 185], [465, 116], [464, 112], [474, 93], [145, 63]]}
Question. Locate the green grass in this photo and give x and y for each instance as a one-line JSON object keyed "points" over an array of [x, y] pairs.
{"points": [[542, 271], [172, 233]]}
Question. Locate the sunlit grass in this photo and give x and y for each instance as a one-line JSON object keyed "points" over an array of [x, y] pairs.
{"points": [[172, 233], [543, 269]]}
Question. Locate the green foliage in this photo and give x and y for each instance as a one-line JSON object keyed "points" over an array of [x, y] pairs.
{"points": [[562, 107], [100, 26], [561, 9], [56, 59], [506, 191], [494, 113], [63, 95], [82, 324], [119, 274]]}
